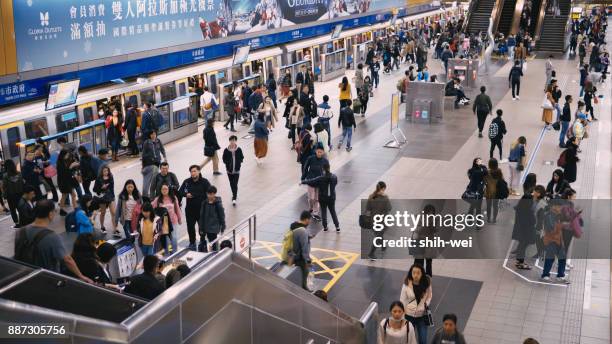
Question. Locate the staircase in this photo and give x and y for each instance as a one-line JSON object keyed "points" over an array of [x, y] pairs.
{"points": [[507, 14], [479, 19], [552, 37]]}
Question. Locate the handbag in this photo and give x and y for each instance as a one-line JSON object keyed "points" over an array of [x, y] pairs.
{"points": [[470, 195], [124, 142], [556, 126], [49, 171], [546, 104], [365, 221]]}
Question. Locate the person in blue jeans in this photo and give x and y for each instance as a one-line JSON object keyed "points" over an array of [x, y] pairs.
{"points": [[416, 296], [553, 241], [565, 119], [346, 120]]}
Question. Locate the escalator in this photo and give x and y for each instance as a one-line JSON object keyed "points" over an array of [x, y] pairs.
{"points": [[553, 34], [479, 17], [227, 300], [535, 15], [507, 15]]}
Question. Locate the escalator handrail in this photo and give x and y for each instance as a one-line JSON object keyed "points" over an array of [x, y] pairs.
{"points": [[496, 14], [540, 25], [471, 8]]}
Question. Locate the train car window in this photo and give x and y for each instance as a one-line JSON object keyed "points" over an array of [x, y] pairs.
{"points": [[66, 121], [167, 92], [193, 109], [182, 89], [212, 86], [147, 96], [165, 112], [36, 128], [13, 137]]}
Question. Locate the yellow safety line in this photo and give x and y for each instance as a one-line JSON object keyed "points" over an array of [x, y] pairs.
{"points": [[269, 248], [337, 276], [322, 265]]}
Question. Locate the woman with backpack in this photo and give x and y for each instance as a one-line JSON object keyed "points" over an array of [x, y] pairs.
{"points": [[416, 296], [476, 174], [129, 204], [396, 329], [171, 217], [496, 189], [104, 187], [82, 219], [517, 159], [12, 188]]}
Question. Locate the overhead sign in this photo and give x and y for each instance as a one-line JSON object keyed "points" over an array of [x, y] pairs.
{"points": [[72, 31]]}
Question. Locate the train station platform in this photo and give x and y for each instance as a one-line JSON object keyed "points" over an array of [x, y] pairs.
{"points": [[494, 304]]}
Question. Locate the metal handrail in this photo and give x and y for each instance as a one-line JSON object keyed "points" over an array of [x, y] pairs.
{"points": [[251, 222], [538, 30], [471, 9], [369, 321]]}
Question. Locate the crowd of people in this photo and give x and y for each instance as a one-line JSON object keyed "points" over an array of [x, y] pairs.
{"points": [[150, 214]]}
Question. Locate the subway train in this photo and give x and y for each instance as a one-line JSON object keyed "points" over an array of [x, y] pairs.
{"points": [[175, 92]]}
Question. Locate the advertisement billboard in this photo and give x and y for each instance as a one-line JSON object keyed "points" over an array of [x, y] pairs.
{"points": [[73, 31]]}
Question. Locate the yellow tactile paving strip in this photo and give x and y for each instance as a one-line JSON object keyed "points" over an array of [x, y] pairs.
{"points": [[327, 262]]}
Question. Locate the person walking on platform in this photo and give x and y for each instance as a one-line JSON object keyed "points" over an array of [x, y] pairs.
{"points": [[129, 126], [170, 212], [516, 72], [345, 92], [325, 114], [497, 130], [233, 158], [416, 296], [358, 78], [149, 122], [152, 152], [553, 241], [482, 107], [346, 120], [114, 132], [212, 219], [313, 168], [208, 104], [549, 71], [377, 204], [495, 189], [211, 146], [564, 120], [261, 139], [163, 177], [230, 104], [104, 188], [516, 164], [128, 203], [396, 329], [271, 87], [374, 72], [326, 185], [194, 190], [12, 187]]}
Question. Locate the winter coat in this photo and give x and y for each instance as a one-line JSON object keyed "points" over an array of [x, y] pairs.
{"points": [[524, 221], [212, 217]]}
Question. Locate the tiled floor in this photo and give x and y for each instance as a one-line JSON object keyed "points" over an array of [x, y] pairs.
{"points": [[494, 304]]}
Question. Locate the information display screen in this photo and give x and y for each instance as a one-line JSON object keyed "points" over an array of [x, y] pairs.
{"points": [[337, 31], [62, 93], [241, 55]]}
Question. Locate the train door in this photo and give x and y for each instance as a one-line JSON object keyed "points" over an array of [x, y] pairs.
{"points": [[10, 135], [87, 112], [182, 87], [212, 81], [247, 70], [316, 61], [237, 73], [349, 51], [271, 66], [299, 56]]}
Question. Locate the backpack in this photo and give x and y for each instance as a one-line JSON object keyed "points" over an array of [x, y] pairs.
{"points": [[493, 130], [562, 161], [14, 185], [70, 222], [26, 250], [287, 255], [386, 325], [502, 189]]}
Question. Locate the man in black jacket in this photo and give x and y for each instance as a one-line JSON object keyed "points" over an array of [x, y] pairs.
{"points": [[326, 185], [194, 189], [130, 124], [152, 152], [497, 130], [347, 121], [313, 167], [146, 285], [565, 119], [482, 108], [212, 219], [516, 72], [25, 207], [164, 177]]}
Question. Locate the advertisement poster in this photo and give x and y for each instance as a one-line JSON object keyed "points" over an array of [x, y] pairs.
{"points": [[73, 31]]}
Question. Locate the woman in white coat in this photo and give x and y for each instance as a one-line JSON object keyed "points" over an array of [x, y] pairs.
{"points": [[416, 295], [396, 329]]}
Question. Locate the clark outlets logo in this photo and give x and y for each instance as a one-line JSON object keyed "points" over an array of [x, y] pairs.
{"points": [[44, 18]]}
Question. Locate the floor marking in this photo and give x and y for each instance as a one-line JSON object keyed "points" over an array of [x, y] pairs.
{"points": [[588, 280]]}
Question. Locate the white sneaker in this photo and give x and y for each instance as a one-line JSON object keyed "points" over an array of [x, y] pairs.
{"points": [[546, 279], [563, 280], [513, 98], [233, 202], [517, 97]]}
